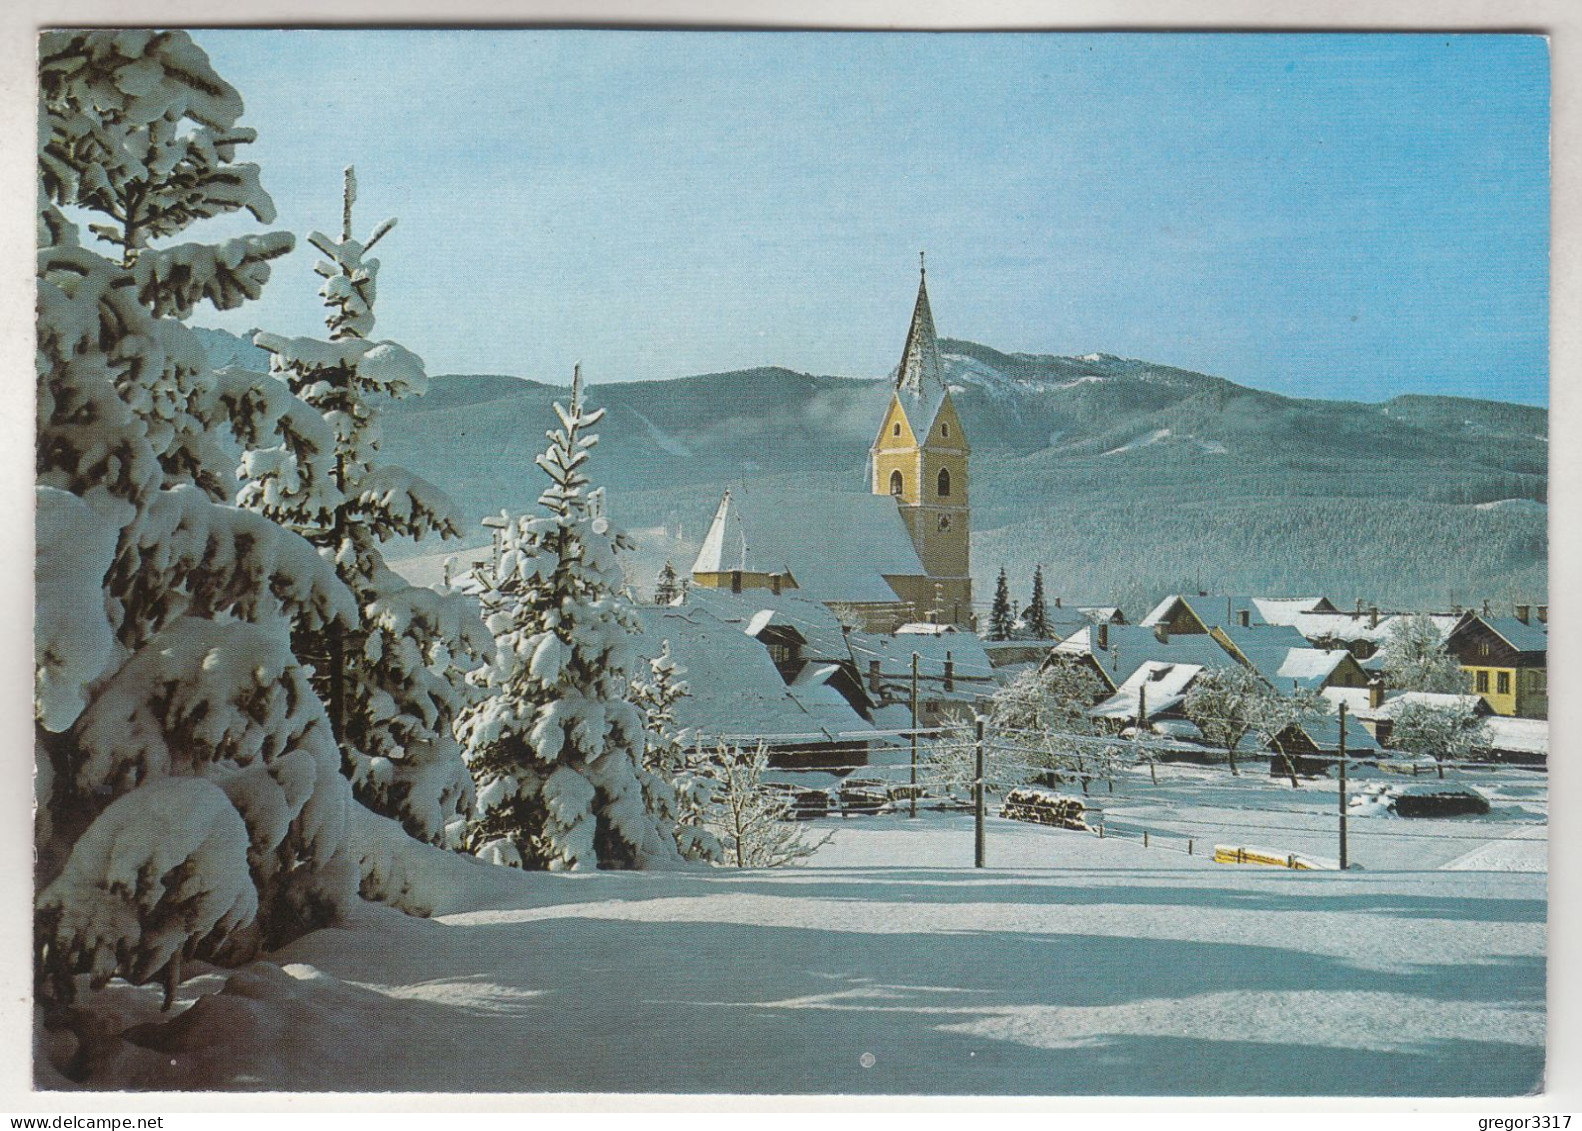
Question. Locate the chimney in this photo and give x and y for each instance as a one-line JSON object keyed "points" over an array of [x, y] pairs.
{"points": [[1373, 616], [1543, 614], [1104, 636], [1485, 606], [1162, 631], [950, 673], [1359, 606], [1244, 618], [873, 676], [1523, 612], [774, 584], [736, 581], [1375, 693], [1057, 602]]}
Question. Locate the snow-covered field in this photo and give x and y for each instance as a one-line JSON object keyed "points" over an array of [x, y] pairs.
{"points": [[1073, 965]]}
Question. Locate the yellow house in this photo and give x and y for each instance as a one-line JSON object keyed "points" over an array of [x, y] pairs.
{"points": [[897, 553], [1506, 661]]}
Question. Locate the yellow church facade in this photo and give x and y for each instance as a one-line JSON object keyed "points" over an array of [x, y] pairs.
{"points": [[899, 553]]}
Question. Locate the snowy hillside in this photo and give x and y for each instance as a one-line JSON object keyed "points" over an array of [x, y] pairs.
{"points": [[1124, 478]]}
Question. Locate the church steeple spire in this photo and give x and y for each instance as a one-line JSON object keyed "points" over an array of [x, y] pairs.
{"points": [[920, 372]]}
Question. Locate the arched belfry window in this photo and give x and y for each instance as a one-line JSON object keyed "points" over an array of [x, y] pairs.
{"points": [[897, 431], [944, 483], [896, 483], [944, 429]]}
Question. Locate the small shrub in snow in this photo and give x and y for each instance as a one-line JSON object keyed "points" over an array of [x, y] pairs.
{"points": [[754, 820]]}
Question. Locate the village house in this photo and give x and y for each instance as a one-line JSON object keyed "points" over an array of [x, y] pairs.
{"points": [[896, 555], [1382, 709], [955, 677], [810, 713], [1506, 659], [1114, 651], [1287, 662]]}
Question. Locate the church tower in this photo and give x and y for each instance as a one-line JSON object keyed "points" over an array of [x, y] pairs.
{"points": [[920, 458]]}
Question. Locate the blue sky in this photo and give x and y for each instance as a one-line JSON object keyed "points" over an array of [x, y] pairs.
{"points": [[1350, 216]]}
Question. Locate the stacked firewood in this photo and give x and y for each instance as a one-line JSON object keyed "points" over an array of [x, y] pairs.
{"points": [[1042, 807]]}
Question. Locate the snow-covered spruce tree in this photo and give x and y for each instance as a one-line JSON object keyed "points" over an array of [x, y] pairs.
{"points": [[681, 781], [557, 745], [1002, 622], [668, 589], [190, 802], [1036, 615], [1414, 658], [753, 822], [395, 683]]}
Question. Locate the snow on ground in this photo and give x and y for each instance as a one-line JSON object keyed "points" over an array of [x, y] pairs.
{"points": [[1140, 442], [1072, 965]]}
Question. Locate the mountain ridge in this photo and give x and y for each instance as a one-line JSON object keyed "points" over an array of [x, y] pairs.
{"points": [[1121, 477]]}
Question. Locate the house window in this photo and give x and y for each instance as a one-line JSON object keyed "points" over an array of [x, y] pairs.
{"points": [[1483, 683], [1502, 683], [896, 483], [782, 654], [1483, 648], [897, 431], [944, 483]]}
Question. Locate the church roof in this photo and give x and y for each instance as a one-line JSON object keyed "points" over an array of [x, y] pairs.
{"points": [[837, 546], [920, 378]]}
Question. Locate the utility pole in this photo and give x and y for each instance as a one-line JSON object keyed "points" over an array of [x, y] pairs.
{"points": [[1343, 845], [979, 845], [914, 734], [1142, 728]]}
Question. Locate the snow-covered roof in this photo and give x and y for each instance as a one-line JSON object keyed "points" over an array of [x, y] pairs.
{"points": [[1397, 701], [756, 609], [1282, 656], [837, 546], [1325, 734], [1129, 646], [1098, 613], [1284, 610], [737, 693], [1524, 636], [1211, 611], [1518, 736], [971, 666], [1166, 686]]}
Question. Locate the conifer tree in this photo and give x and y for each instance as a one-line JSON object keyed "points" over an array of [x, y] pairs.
{"points": [[190, 803], [557, 745], [394, 683], [681, 777], [668, 589], [1001, 621], [1036, 616]]}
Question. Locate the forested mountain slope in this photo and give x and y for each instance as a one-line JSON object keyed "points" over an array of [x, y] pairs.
{"points": [[1123, 478]]}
